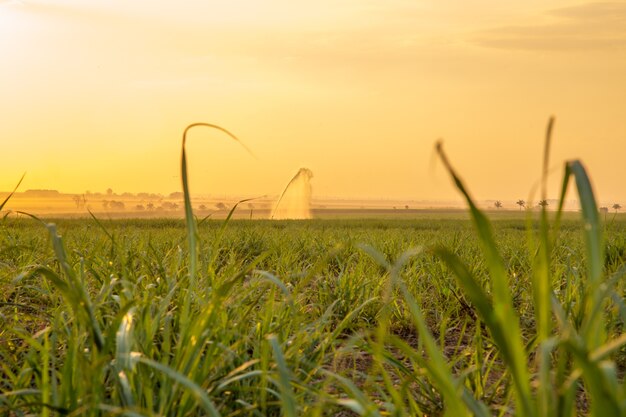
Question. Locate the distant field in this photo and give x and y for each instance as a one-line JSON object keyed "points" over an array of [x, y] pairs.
{"points": [[155, 207], [64, 208], [283, 317]]}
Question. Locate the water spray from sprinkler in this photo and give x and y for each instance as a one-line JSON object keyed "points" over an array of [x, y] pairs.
{"points": [[295, 200]]}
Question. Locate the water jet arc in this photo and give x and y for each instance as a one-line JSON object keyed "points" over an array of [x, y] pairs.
{"points": [[295, 200]]}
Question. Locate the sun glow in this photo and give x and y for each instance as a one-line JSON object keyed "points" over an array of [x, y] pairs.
{"points": [[96, 95]]}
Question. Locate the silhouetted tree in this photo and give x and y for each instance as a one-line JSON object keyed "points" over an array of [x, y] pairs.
{"points": [[616, 207], [117, 205], [221, 206], [520, 203], [498, 204], [543, 203]]}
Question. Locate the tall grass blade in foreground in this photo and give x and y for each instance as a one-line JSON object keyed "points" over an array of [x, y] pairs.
{"points": [[192, 230], [588, 344], [192, 227], [541, 280], [552, 397], [497, 311]]}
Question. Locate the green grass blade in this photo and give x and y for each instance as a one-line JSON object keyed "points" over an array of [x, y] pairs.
{"points": [[541, 269], [501, 316], [483, 228], [73, 290], [358, 403], [77, 286], [439, 370], [542, 286], [192, 230], [276, 281], [546, 159], [593, 232], [12, 192], [123, 357], [45, 374], [592, 329], [220, 235], [251, 374], [101, 226], [198, 393], [287, 396], [605, 400], [502, 331]]}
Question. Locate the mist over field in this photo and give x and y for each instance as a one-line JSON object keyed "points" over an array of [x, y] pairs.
{"points": [[150, 205]]}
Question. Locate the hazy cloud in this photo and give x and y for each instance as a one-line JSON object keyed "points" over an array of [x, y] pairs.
{"points": [[591, 26]]}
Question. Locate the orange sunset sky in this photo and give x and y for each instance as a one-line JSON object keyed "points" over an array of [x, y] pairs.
{"points": [[96, 94]]}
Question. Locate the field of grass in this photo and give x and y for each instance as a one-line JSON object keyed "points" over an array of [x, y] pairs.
{"points": [[288, 318], [518, 315]]}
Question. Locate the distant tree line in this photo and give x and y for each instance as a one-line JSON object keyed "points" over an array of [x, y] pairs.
{"points": [[544, 203]]}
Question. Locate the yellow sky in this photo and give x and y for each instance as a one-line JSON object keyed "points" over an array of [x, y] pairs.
{"points": [[96, 94]]}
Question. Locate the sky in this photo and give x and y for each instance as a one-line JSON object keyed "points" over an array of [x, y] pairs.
{"points": [[97, 94]]}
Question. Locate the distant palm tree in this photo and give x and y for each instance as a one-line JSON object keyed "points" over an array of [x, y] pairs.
{"points": [[616, 207], [520, 203], [498, 204], [543, 203]]}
